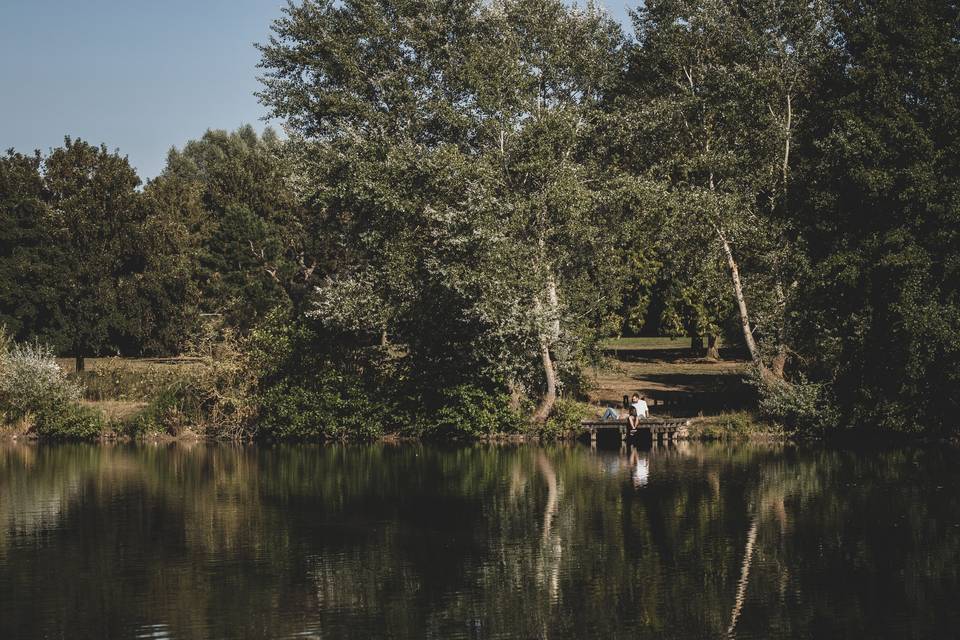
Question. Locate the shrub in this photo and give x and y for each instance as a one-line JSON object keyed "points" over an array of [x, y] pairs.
{"points": [[70, 422], [326, 407], [469, 410], [163, 413], [802, 407], [134, 380], [306, 390], [732, 424], [213, 394], [566, 417], [31, 382]]}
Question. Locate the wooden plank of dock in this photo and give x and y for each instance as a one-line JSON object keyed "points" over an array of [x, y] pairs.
{"points": [[658, 428]]}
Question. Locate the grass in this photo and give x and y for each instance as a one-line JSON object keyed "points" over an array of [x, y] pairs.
{"points": [[674, 379], [117, 411], [129, 379], [122, 389], [733, 424], [646, 343]]}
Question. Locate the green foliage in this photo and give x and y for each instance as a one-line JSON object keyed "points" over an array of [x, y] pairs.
{"points": [[255, 241], [69, 422], [463, 181], [470, 411], [733, 424], [161, 415], [880, 210], [93, 215], [309, 389], [36, 391], [803, 408], [566, 418], [327, 407]]}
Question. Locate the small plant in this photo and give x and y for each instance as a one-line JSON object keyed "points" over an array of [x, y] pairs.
{"points": [[31, 382], [566, 417], [70, 422]]}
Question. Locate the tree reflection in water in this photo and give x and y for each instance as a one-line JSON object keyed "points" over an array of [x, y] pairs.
{"points": [[685, 541]]}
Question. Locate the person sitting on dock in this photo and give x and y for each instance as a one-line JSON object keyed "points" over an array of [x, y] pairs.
{"points": [[610, 414], [638, 410]]}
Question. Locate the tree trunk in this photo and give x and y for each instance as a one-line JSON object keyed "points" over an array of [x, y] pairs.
{"points": [[516, 395], [550, 395], [696, 344], [713, 347], [550, 336], [78, 362], [742, 307], [779, 361]]}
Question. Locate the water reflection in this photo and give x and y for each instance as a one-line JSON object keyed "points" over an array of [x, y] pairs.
{"points": [[685, 541]]}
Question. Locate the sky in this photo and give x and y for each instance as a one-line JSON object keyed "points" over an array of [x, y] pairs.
{"points": [[137, 75]]}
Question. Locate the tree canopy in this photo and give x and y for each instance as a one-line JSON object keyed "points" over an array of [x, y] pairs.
{"points": [[470, 196]]}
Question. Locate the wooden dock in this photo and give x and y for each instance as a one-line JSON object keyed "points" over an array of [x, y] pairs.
{"points": [[656, 428]]}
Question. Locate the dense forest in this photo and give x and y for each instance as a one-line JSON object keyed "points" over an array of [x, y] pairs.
{"points": [[470, 196]]}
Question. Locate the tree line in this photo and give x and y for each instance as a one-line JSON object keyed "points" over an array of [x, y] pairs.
{"points": [[472, 195]]}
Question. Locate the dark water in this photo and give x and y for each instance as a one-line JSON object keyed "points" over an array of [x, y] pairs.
{"points": [[693, 541]]}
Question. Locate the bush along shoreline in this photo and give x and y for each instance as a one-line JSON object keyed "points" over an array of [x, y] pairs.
{"points": [[278, 384]]}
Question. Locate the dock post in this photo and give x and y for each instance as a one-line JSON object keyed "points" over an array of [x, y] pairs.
{"points": [[593, 437]]}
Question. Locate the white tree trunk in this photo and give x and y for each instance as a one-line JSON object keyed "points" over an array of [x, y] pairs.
{"points": [[549, 337], [549, 397], [742, 307]]}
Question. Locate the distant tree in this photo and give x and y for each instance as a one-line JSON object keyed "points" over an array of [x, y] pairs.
{"points": [[27, 276], [162, 296], [93, 220], [256, 249]]}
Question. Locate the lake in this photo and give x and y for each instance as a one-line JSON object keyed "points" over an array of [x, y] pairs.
{"points": [[488, 541]]}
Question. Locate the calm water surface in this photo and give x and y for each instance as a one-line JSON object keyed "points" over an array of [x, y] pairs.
{"points": [[688, 541]]}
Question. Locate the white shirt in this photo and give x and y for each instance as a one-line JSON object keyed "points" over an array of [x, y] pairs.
{"points": [[643, 411]]}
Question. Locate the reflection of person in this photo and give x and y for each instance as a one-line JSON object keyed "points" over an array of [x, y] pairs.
{"points": [[641, 469], [638, 410]]}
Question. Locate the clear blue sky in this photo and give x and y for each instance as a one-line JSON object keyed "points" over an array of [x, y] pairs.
{"points": [[138, 75]]}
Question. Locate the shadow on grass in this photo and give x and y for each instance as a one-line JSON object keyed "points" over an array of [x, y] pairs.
{"points": [[673, 356], [692, 394]]}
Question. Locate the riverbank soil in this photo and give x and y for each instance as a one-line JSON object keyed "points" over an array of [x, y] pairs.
{"points": [[672, 377]]}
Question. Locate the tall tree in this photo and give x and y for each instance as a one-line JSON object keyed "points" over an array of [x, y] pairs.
{"points": [[256, 248], [714, 93], [463, 186], [26, 274], [94, 212], [877, 192]]}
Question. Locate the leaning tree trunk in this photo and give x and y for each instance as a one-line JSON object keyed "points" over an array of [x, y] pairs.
{"points": [[550, 394], [765, 373], [550, 336], [713, 347]]}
